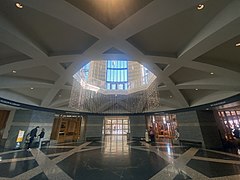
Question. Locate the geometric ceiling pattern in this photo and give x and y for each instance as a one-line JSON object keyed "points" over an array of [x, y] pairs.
{"points": [[192, 52]]}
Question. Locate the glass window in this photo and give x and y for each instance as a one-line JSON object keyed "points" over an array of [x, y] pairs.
{"points": [[85, 71], [113, 87], [120, 86], [117, 75]]}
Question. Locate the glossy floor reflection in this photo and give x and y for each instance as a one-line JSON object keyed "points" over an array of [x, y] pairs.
{"points": [[116, 158]]}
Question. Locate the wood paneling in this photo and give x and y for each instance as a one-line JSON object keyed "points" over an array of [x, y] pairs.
{"points": [[3, 120], [66, 129]]}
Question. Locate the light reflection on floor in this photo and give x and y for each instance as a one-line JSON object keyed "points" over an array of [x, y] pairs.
{"points": [[116, 158], [115, 145]]}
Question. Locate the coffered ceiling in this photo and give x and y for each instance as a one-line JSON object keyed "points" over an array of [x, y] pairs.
{"points": [[192, 52]]}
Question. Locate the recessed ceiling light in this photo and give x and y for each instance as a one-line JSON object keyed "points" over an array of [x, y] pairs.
{"points": [[14, 71], [196, 89], [18, 5], [237, 44], [31, 88], [211, 73], [200, 6]]}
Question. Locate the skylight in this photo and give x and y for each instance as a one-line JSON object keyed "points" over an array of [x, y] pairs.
{"points": [[114, 86], [117, 75], [114, 77]]}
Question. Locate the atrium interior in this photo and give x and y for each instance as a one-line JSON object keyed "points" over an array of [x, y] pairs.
{"points": [[120, 89]]}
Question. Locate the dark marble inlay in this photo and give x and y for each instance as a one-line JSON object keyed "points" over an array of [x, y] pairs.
{"points": [[52, 157], [153, 144], [55, 150], [181, 175], [71, 144], [135, 143], [137, 139], [95, 143], [176, 150], [175, 157], [18, 154], [214, 169], [2, 149], [40, 176], [203, 153], [172, 156], [12, 169], [135, 164]]}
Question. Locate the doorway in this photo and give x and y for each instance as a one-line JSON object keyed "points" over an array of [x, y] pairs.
{"points": [[116, 125]]}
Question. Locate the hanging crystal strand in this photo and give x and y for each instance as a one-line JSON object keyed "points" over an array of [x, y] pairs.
{"points": [[86, 99], [113, 107], [118, 103], [115, 103], [80, 97], [93, 100], [96, 101], [138, 102], [129, 102], [126, 103], [89, 100], [109, 102], [83, 99], [91, 106]]}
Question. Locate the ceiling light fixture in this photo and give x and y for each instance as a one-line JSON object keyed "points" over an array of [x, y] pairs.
{"points": [[14, 71], [237, 44], [18, 5], [212, 73], [196, 89], [200, 6], [170, 96], [31, 88]]}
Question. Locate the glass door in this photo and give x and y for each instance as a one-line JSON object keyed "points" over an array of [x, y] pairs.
{"points": [[116, 125]]}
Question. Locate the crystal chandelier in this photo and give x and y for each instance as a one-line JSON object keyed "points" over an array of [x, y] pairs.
{"points": [[93, 94]]}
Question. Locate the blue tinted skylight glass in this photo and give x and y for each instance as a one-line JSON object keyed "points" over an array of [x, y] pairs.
{"points": [[85, 71], [117, 74]]}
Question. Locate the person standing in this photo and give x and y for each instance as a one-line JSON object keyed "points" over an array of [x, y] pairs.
{"points": [[151, 134], [146, 136], [33, 134], [41, 136]]}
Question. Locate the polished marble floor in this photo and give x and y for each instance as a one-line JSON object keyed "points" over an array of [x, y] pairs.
{"points": [[116, 158]]}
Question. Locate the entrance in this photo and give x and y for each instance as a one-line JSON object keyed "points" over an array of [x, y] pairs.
{"points": [[116, 125]]}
